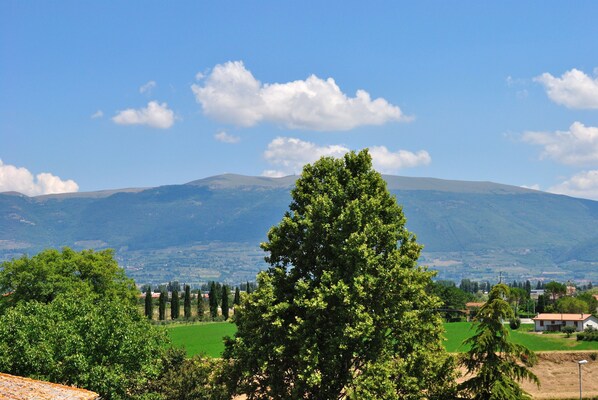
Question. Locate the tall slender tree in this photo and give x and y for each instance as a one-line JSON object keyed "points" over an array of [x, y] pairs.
{"points": [[213, 301], [497, 363], [149, 305], [187, 302], [225, 302], [162, 306], [175, 309], [200, 305], [237, 298]]}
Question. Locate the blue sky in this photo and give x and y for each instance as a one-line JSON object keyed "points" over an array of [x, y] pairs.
{"points": [[99, 95]]}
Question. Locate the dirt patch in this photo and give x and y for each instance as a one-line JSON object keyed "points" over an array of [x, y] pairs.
{"points": [[559, 375]]}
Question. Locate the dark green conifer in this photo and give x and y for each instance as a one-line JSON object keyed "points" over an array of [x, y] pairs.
{"points": [[237, 299], [174, 305], [149, 305], [225, 302], [162, 306], [187, 303], [213, 301], [200, 307]]}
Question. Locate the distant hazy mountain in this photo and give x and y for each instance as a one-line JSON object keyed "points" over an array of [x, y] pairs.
{"points": [[211, 228]]}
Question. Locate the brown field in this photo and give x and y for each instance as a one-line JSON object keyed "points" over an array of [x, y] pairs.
{"points": [[559, 376]]}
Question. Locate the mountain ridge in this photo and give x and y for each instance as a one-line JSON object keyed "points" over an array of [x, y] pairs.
{"points": [[215, 225]]}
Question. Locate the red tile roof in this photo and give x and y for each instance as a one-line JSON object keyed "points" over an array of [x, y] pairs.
{"points": [[19, 388], [562, 317]]}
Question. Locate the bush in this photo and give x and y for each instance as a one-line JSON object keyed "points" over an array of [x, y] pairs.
{"points": [[568, 330], [515, 323], [591, 336]]}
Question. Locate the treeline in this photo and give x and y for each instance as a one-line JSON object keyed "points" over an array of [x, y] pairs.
{"points": [[526, 299], [217, 303]]}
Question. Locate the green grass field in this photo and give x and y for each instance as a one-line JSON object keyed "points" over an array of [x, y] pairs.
{"points": [[201, 338], [206, 338]]}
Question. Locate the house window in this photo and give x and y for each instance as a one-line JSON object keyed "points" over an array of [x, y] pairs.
{"points": [[541, 323]]}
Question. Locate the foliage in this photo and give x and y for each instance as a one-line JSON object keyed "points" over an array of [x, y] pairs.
{"points": [[149, 304], [571, 305], [588, 336], [568, 330], [514, 323], [200, 305], [44, 276], [187, 302], [197, 378], [225, 302], [175, 309], [555, 289], [343, 309], [497, 362], [97, 343], [452, 297], [237, 298], [213, 300], [162, 306]]}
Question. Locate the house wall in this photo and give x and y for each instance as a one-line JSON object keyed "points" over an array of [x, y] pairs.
{"points": [[592, 321], [558, 324]]}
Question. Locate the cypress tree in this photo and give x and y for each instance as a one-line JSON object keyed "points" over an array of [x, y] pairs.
{"points": [[187, 305], [213, 301], [237, 299], [200, 308], [225, 302], [149, 306], [162, 306], [174, 305], [248, 288]]}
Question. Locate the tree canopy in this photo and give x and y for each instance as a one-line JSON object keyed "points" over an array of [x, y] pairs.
{"points": [[343, 310], [51, 272]]}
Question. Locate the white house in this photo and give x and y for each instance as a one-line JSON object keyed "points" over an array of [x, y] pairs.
{"points": [[554, 322]]}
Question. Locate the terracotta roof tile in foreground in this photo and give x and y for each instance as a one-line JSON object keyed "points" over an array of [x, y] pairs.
{"points": [[19, 388]]}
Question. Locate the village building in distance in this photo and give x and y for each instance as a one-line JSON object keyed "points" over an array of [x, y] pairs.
{"points": [[555, 322]]}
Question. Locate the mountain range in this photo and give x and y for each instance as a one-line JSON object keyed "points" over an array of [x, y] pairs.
{"points": [[211, 228]]}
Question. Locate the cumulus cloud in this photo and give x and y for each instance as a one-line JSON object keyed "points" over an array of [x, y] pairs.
{"points": [[387, 161], [577, 146], [574, 89], [97, 114], [583, 184], [224, 137], [147, 87], [21, 180], [289, 155], [154, 115], [230, 93]]}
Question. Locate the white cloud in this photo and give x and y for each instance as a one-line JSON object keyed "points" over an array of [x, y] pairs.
{"points": [[289, 155], [583, 184], [577, 146], [387, 161], [154, 115], [535, 186], [574, 89], [231, 94], [97, 114], [224, 137], [147, 87], [21, 180]]}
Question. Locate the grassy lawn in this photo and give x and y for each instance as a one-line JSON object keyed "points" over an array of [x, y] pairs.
{"points": [[201, 338], [457, 332], [206, 338]]}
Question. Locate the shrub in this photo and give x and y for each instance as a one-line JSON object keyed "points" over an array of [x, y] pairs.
{"points": [[515, 323], [568, 330]]}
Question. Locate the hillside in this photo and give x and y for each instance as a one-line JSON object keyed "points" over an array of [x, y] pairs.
{"points": [[211, 228]]}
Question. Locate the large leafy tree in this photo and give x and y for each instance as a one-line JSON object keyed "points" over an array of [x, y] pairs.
{"points": [[496, 363], [51, 272], [85, 341], [343, 309]]}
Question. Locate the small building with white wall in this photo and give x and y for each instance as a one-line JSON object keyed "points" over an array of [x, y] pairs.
{"points": [[555, 322]]}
